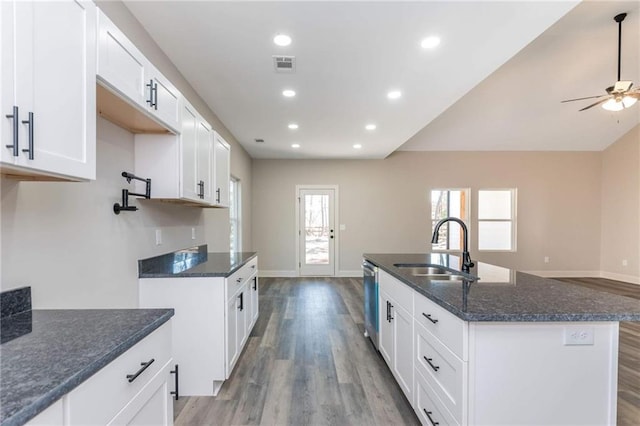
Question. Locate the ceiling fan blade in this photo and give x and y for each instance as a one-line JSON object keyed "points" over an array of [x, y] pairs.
{"points": [[582, 99], [594, 104]]}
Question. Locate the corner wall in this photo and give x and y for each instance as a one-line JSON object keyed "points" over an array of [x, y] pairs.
{"points": [[621, 209]]}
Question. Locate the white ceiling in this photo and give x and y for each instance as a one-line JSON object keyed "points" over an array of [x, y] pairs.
{"points": [[349, 54], [517, 108]]}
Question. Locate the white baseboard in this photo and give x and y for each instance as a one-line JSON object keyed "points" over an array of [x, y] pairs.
{"points": [[277, 274], [590, 274], [350, 274], [565, 274], [289, 274], [620, 277]]}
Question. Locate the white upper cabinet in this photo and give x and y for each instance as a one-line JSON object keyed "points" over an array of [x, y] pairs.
{"points": [[124, 70], [179, 166], [47, 89], [222, 171]]}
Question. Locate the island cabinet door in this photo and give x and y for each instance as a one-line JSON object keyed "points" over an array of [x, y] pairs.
{"points": [[386, 328], [402, 323], [232, 334]]}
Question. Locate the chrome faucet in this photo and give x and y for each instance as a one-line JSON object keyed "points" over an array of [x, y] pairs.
{"points": [[467, 263]]}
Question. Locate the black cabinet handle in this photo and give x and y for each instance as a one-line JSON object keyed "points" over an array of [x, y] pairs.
{"points": [[435, 367], [388, 311], [153, 94], [255, 283], [15, 116], [201, 190], [29, 122], [145, 365], [241, 308], [429, 413], [218, 195], [428, 316], [175, 392], [239, 280]]}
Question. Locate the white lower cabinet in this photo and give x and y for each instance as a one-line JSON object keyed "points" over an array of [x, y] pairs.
{"points": [[113, 394], [211, 323], [133, 389], [495, 373], [396, 331]]}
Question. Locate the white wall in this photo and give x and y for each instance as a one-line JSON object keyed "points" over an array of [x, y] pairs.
{"points": [[621, 208], [385, 205]]}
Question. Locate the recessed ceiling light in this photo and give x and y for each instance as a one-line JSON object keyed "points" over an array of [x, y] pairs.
{"points": [[282, 40], [357, 146], [394, 94], [292, 126], [430, 42], [370, 127], [295, 145], [288, 93]]}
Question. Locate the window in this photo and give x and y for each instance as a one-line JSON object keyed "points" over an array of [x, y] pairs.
{"points": [[449, 203], [235, 215], [497, 219]]}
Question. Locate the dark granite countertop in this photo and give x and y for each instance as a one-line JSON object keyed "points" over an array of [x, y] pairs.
{"points": [[62, 349], [193, 262], [493, 293]]}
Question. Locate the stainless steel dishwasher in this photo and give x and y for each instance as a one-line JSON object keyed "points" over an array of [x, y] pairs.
{"points": [[371, 326]]}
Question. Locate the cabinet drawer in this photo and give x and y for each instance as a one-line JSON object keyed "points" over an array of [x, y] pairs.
{"points": [[102, 396], [397, 290], [445, 371], [451, 330], [238, 278], [428, 407]]}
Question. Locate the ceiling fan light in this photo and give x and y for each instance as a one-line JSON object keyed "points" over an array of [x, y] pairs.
{"points": [[628, 101], [613, 105]]}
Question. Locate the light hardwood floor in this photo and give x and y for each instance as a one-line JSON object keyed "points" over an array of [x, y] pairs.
{"points": [[628, 352], [306, 362]]}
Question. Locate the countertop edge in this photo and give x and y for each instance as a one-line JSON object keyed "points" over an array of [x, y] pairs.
{"points": [[497, 317], [187, 274], [30, 411]]}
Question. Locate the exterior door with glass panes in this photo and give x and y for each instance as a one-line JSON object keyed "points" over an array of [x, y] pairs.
{"points": [[316, 233]]}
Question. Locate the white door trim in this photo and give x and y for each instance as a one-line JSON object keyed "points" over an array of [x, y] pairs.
{"points": [[336, 249]]}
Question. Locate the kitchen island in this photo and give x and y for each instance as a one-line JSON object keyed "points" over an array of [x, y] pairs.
{"points": [[48, 355], [498, 346]]}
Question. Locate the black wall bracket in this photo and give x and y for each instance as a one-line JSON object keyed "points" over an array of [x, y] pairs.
{"points": [[117, 208]]}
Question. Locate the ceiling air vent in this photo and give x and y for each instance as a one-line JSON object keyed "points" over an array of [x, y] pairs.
{"points": [[284, 63], [258, 140]]}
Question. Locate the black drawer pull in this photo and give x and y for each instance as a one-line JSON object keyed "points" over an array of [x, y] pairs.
{"points": [[435, 367], [239, 280], [429, 413], [255, 283], [428, 316], [145, 365]]}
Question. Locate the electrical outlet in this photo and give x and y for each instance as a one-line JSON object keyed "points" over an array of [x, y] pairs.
{"points": [[193, 233], [625, 262], [546, 259], [574, 336], [158, 237]]}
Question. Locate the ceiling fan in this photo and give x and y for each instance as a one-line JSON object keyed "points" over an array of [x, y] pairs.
{"points": [[620, 95]]}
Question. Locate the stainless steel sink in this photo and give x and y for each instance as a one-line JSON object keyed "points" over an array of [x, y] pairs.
{"points": [[425, 270]]}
